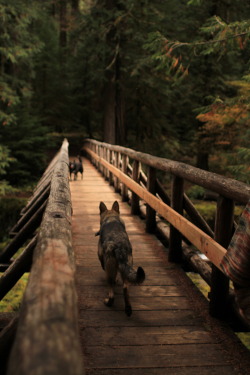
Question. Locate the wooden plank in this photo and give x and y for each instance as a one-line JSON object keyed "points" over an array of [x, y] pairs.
{"points": [[199, 370], [116, 318], [141, 291], [138, 303], [198, 238], [160, 356], [134, 336]]}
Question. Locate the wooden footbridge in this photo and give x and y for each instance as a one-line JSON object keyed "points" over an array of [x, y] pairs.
{"points": [[63, 326]]}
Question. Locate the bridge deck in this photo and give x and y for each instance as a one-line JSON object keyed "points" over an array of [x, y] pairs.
{"points": [[167, 332]]}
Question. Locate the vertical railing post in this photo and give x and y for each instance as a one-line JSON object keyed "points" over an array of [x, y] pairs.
{"points": [[98, 153], [105, 170], [124, 191], [101, 151], [116, 182], [150, 212], [135, 206], [94, 150], [111, 176], [175, 238], [222, 234]]}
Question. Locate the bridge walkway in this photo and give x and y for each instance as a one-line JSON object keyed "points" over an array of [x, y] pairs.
{"points": [[169, 331]]}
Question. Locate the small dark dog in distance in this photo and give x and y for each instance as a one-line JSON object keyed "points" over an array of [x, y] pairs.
{"points": [[115, 254], [76, 167]]}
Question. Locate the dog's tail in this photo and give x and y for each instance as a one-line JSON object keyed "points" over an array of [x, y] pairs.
{"points": [[130, 274]]}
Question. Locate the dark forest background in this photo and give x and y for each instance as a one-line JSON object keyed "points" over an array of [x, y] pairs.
{"points": [[169, 78]]}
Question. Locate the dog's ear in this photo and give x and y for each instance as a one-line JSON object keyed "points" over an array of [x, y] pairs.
{"points": [[115, 207], [102, 207]]}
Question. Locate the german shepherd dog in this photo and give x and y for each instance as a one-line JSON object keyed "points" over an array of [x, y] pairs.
{"points": [[115, 254], [75, 167]]}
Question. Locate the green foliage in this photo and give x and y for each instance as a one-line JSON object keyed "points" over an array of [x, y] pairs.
{"points": [[12, 301], [29, 152], [238, 164], [18, 45], [196, 192], [5, 159], [10, 213]]}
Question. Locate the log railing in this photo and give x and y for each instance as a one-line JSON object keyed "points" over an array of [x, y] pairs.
{"points": [[46, 338], [122, 166]]}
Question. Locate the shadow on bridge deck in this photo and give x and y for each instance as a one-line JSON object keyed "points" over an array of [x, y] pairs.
{"points": [[169, 331]]}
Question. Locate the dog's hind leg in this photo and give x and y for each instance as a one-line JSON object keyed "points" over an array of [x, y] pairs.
{"points": [[128, 307], [110, 299], [111, 273]]}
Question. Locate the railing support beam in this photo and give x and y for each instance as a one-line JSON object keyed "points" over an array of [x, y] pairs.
{"points": [[150, 212], [135, 200], [218, 295], [175, 247]]}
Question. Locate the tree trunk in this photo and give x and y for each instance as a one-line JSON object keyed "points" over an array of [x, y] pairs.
{"points": [[113, 118], [75, 6], [109, 121], [63, 23], [202, 160]]}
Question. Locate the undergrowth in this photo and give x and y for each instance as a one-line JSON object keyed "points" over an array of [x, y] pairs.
{"points": [[12, 301]]}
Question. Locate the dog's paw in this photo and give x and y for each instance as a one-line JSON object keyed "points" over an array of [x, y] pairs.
{"points": [[109, 302], [128, 310]]}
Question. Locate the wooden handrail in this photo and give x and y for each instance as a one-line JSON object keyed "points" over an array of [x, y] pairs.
{"points": [[229, 190], [227, 187], [47, 339], [201, 240]]}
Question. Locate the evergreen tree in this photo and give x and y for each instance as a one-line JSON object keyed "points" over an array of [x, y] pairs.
{"points": [[19, 127]]}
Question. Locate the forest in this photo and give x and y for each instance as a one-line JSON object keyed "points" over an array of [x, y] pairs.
{"points": [[170, 78]]}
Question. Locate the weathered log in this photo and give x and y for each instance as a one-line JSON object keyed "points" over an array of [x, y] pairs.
{"points": [[47, 339], [224, 186], [16, 270]]}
